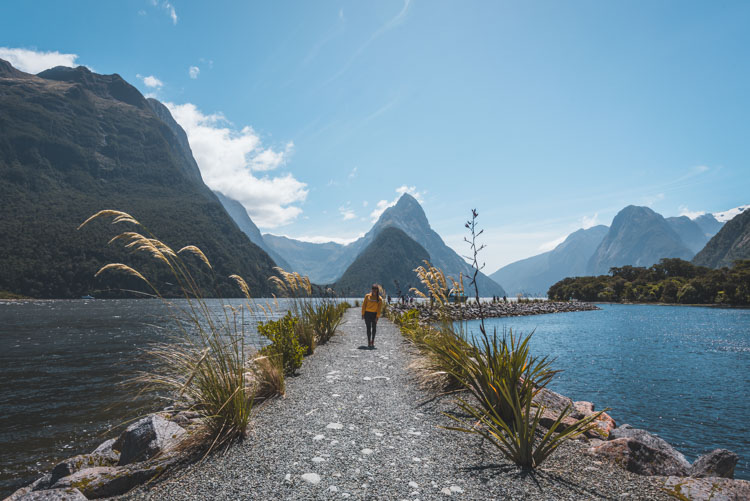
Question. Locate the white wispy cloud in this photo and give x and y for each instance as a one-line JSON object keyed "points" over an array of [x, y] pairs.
{"points": [[194, 71], [589, 221], [396, 20], [322, 239], [231, 159], [382, 205], [692, 214], [34, 61], [347, 212], [168, 7], [650, 200], [353, 173], [548, 246], [151, 81]]}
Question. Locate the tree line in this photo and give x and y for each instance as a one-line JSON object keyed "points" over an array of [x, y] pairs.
{"points": [[672, 280]]}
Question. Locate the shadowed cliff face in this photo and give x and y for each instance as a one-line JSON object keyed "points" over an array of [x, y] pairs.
{"points": [[73, 142], [731, 243], [638, 237]]}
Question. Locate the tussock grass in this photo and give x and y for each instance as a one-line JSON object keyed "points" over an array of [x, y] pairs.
{"points": [[208, 365]]}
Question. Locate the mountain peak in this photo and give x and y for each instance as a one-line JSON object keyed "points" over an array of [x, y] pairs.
{"points": [[7, 70], [104, 86]]}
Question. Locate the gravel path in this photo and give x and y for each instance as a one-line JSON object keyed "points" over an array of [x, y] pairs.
{"points": [[355, 425]]}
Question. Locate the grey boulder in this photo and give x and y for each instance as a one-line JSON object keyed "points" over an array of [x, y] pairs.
{"points": [[717, 463], [77, 463], [672, 458], [106, 481], [705, 489], [638, 457], [146, 438], [68, 494]]}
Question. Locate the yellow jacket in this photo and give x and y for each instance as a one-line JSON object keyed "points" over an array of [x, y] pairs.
{"points": [[370, 304]]}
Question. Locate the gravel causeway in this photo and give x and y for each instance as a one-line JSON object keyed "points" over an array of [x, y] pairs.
{"points": [[355, 425]]}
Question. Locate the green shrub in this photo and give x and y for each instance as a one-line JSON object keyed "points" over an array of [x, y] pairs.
{"points": [[284, 342]]}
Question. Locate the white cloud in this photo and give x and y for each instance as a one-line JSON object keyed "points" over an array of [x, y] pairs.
{"points": [[347, 213], [170, 9], [364, 203], [194, 71], [650, 200], [692, 214], [382, 205], [353, 173], [548, 246], [32, 61], [230, 158], [151, 81], [321, 239], [587, 222]]}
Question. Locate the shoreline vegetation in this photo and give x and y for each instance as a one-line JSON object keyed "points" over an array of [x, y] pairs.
{"points": [[671, 281], [217, 385]]}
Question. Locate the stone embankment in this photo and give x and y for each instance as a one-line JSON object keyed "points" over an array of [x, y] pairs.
{"points": [[470, 311]]}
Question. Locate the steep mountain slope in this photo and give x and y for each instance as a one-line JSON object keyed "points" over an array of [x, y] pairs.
{"points": [[691, 234], [321, 262], [240, 216], [536, 274], [73, 142], [730, 244], [407, 215], [389, 260], [709, 224], [638, 237]]}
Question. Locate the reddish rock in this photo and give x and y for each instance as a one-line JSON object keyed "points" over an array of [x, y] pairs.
{"points": [[638, 457]]}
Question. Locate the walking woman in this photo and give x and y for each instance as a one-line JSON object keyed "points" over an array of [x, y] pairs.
{"points": [[372, 306]]}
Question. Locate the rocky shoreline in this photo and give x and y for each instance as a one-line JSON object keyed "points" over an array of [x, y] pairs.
{"points": [[497, 309]]}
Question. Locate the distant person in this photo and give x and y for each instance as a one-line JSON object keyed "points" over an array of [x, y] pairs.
{"points": [[389, 299], [372, 306]]}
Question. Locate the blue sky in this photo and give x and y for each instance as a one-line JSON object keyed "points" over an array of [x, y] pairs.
{"points": [[545, 116]]}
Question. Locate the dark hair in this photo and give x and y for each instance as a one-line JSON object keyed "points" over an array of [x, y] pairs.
{"points": [[375, 286]]}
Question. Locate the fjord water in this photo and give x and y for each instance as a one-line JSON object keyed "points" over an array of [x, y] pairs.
{"points": [[61, 363], [680, 372]]}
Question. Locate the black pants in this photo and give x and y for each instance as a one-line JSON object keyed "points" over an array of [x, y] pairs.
{"points": [[371, 322]]}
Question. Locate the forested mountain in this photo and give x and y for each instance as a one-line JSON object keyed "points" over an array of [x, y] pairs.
{"points": [[638, 237], [73, 142], [325, 263], [389, 260], [534, 276], [239, 215], [730, 244]]}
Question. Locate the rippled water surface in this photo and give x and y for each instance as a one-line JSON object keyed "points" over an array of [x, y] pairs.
{"points": [[680, 372], [61, 363]]}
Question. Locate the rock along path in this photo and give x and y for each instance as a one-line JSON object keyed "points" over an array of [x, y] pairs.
{"points": [[355, 425]]}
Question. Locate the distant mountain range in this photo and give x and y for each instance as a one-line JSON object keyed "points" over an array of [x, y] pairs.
{"points": [[389, 260], [326, 263], [638, 237], [533, 276], [731, 243], [73, 142]]}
